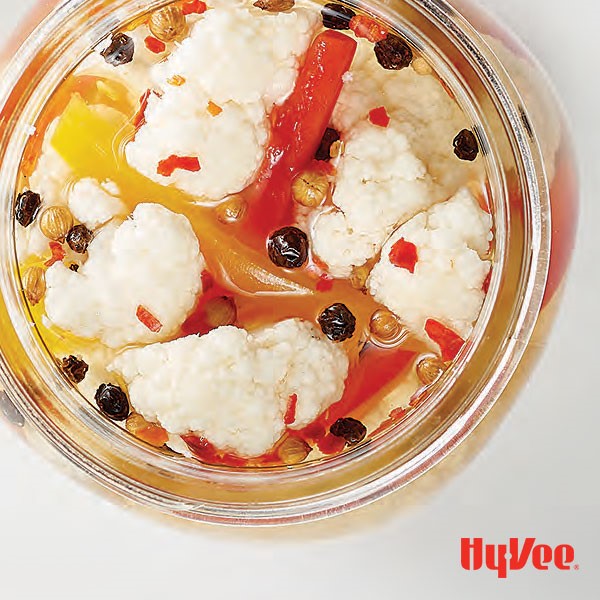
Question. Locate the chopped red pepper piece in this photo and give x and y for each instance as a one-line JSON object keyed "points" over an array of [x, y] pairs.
{"points": [[449, 342], [486, 282], [155, 45], [379, 117], [214, 109], [404, 255], [148, 319], [167, 167], [194, 7], [140, 117], [58, 253], [298, 127], [331, 444], [365, 27], [290, 412], [325, 283]]}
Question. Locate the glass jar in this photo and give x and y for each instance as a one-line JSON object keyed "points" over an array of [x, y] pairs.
{"points": [[534, 200]]}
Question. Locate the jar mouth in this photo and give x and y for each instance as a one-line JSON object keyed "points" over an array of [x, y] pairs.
{"points": [[449, 412]]}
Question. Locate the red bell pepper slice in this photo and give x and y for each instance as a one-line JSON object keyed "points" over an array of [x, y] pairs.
{"points": [[449, 342], [404, 255]]}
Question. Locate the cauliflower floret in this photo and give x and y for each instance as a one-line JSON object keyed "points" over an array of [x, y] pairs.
{"points": [[232, 387], [152, 260], [94, 204], [380, 184], [448, 277], [420, 108], [244, 73]]}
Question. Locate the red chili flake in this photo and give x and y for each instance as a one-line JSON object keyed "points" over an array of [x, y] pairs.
{"points": [[379, 117], [325, 283], [449, 342], [207, 281], [486, 282], [214, 109], [140, 117], [194, 7], [155, 45], [365, 27], [167, 167], [148, 319], [404, 254], [58, 253], [331, 444], [397, 414], [290, 412]]}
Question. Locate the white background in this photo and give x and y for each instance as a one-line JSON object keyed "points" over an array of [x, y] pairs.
{"points": [[537, 475]]}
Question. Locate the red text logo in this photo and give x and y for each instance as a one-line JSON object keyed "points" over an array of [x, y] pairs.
{"points": [[514, 556]]}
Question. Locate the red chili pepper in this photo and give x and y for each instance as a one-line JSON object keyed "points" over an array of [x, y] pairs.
{"points": [[194, 7], [404, 255], [365, 27], [148, 319], [486, 282], [379, 117], [298, 127], [140, 117], [155, 45], [290, 412], [331, 444], [58, 253], [324, 284], [449, 342], [168, 166]]}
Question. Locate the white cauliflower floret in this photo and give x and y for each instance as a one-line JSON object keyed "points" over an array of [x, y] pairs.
{"points": [[448, 277], [380, 184], [94, 204], [420, 108], [243, 73], [152, 260], [232, 387]]}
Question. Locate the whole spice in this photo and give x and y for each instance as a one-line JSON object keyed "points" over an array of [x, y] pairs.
{"points": [[337, 16], [466, 146], [120, 51], [385, 326], [352, 430], [365, 27], [26, 208], [379, 117], [220, 311], [337, 322], [232, 209], [167, 24], [155, 45], [449, 342], [293, 450], [145, 317], [112, 401], [430, 369], [275, 6], [151, 433], [74, 368], [288, 247], [393, 53], [34, 284], [168, 166], [324, 150], [55, 222], [79, 238], [404, 255], [310, 188]]}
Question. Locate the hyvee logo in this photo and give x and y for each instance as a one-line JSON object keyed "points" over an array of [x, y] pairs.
{"points": [[514, 556]]}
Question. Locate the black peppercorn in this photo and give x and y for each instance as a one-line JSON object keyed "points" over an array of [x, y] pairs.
{"points": [[288, 247], [79, 238], [74, 267], [74, 368], [465, 145], [393, 53], [26, 208], [329, 137], [120, 51], [337, 322], [352, 430], [337, 16], [112, 401]]}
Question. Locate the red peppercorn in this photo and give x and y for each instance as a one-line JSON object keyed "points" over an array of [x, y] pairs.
{"points": [[449, 342], [155, 45], [404, 255], [168, 166], [379, 117]]}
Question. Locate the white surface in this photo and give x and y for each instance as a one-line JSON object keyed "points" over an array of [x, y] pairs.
{"points": [[538, 475]]}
